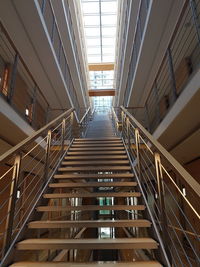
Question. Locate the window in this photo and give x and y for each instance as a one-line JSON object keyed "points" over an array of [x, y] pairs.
{"points": [[4, 80]]}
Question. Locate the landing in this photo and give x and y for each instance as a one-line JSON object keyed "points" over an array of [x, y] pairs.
{"points": [[101, 125]]}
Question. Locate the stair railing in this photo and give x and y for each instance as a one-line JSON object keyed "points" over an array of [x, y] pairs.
{"points": [[172, 194], [27, 169]]}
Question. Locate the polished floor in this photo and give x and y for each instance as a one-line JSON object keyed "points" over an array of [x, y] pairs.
{"points": [[100, 125]]}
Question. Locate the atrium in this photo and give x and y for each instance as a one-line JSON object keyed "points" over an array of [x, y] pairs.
{"points": [[99, 133]]}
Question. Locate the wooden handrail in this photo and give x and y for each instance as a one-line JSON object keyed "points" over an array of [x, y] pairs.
{"points": [[184, 174], [34, 136]]}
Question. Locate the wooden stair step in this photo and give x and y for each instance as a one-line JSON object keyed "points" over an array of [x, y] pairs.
{"points": [[97, 145], [98, 139], [98, 168], [84, 157], [92, 243], [94, 176], [89, 224], [97, 162], [87, 264], [99, 142], [89, 208], [93, 184], [97, 148], [100, 152], [100, 194]]}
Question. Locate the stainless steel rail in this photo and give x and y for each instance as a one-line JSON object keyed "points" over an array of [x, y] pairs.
{"points": [[28, 168], [172, 194]]}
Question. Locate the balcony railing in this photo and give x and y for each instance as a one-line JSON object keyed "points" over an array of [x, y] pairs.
{"points": [[56, 40], [142, 20], [179, 64], [18, 87]]}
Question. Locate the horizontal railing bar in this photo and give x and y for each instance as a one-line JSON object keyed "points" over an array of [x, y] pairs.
{"points": [[185, 175], [31, 138]]}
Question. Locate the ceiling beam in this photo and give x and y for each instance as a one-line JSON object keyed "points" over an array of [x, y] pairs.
{"points": [[100, 92], [101, 66]]}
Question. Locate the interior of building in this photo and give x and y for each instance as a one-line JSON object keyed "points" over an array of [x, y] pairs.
{"points": [[99, 133]]}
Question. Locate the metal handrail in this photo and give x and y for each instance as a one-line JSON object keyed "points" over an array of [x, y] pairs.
{"points": [[31, 138], [164, 184], [184, 174], [33, 162], [85, 115]]}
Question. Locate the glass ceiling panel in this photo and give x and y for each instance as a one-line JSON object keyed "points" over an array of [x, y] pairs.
{"points": [[108, 41], [100, 22], [91, 20], [108, 31], [108, 7], [93, 6], [93, 41], [92, 31], [108, 20]]}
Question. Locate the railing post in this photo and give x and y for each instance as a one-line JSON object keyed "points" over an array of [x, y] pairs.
{"points": [[122, 121], [128, 133], [34, 105], [13, 78], [43, 6], [53, 30], [63, 136], [48, 150], [11, 203], [171, 70], [71, 123], [195, 16], [137, 145], [47, 114], [161, 198], [147, 116]]}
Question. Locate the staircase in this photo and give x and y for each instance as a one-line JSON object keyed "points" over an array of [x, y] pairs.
{"points": [[93, 189]]}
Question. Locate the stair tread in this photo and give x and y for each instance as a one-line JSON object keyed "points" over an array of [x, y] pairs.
{"points": [[98, 162], [96, 176], [92, 243], [89, 223], [97, 148], [84, 157], [98, 142], [100, 194], [100, 152], [93, 184], [98, 145], [86, 264], [96, 168], [90, 207], [97, 139]]}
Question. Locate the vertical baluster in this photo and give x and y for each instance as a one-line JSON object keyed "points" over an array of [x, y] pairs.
{"points": [[63, 136], [13, 78], [137, 144], [195, 18], [11, 203], [128, 133], [47, 155], [172, 75], [161, 198]]}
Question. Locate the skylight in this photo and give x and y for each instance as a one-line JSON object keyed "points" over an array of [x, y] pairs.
{"points": [[100, 20]]}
